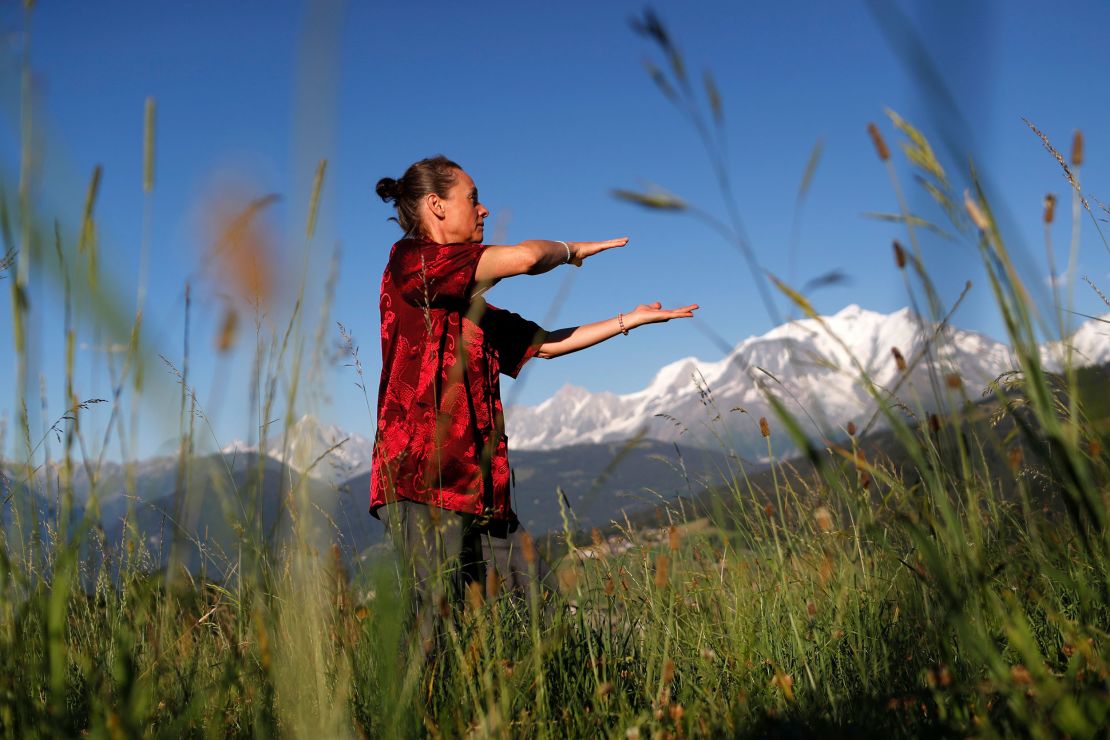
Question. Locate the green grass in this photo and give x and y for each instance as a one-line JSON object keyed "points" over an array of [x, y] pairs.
{"points": [[960, 589]]}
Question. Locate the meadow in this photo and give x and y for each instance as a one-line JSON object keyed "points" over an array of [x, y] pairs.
{"points": [[953, 582]]}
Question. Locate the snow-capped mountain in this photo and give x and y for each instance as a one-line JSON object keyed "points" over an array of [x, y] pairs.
{"points": [[1089, 345], [813, 366], [325, 451]]}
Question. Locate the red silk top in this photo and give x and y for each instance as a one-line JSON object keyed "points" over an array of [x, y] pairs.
{"points": [[440, 437]]}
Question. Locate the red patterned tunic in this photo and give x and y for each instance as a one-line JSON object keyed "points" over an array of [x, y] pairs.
{"points": [[440, 437]]}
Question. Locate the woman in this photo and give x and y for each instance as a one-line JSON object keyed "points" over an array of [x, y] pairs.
{"points": [[440, 477]]}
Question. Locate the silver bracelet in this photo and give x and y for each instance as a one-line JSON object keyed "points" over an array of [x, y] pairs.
{"points": [[566, 247]]}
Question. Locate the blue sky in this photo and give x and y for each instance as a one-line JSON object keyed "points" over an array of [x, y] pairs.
{"points": [[549, 108]]}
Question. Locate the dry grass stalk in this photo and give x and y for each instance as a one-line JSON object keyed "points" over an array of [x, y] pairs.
{"points": [[1060, 158], [148, 145]]}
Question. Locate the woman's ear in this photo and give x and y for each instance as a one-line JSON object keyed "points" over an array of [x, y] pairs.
{"points": [[435, 205]]}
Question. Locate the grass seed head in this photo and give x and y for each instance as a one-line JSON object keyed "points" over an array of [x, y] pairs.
{"points": [[668, 671], [785, 682], [877, 139], [977, 216], [899, 360], [851, 429], [827, 570], [1077, 148], [1021, 675], [1049, 208], [229, 330], [674, 538], [953, 380], [899, 255], [824, 519], [528, 548], [764, 427], [242, 246], [474, 596], [662, 571], [493, 583]]}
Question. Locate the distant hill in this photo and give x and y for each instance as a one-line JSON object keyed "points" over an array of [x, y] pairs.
{"points": [[600, 481]]}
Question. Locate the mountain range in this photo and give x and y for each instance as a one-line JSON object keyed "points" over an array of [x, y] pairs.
{"points": [[580, 458], [813, 366]]}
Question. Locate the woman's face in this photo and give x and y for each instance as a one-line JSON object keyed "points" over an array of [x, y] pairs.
{"points": [[464, 215]]}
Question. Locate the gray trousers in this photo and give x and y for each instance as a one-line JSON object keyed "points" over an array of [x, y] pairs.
{"points": [[444, 553]]}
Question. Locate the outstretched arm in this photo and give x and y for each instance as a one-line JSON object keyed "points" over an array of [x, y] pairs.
{"points": [[536, 256], [565, 341]]}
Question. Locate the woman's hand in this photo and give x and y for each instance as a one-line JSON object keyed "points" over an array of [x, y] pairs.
{"points": [[581, 250], [654, 313], [564, 341]]}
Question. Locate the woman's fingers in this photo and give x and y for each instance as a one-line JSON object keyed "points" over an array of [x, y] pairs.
{"points": [[586, 249], [655, 313]]}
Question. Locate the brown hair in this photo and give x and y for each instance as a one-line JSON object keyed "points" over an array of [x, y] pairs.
{"points": [[432, 175]]}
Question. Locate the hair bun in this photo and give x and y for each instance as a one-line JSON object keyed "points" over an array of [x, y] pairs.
{"points": [[388, 189]]}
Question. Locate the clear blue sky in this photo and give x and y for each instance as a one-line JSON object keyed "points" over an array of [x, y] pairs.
{"points": [[548, 107]]}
